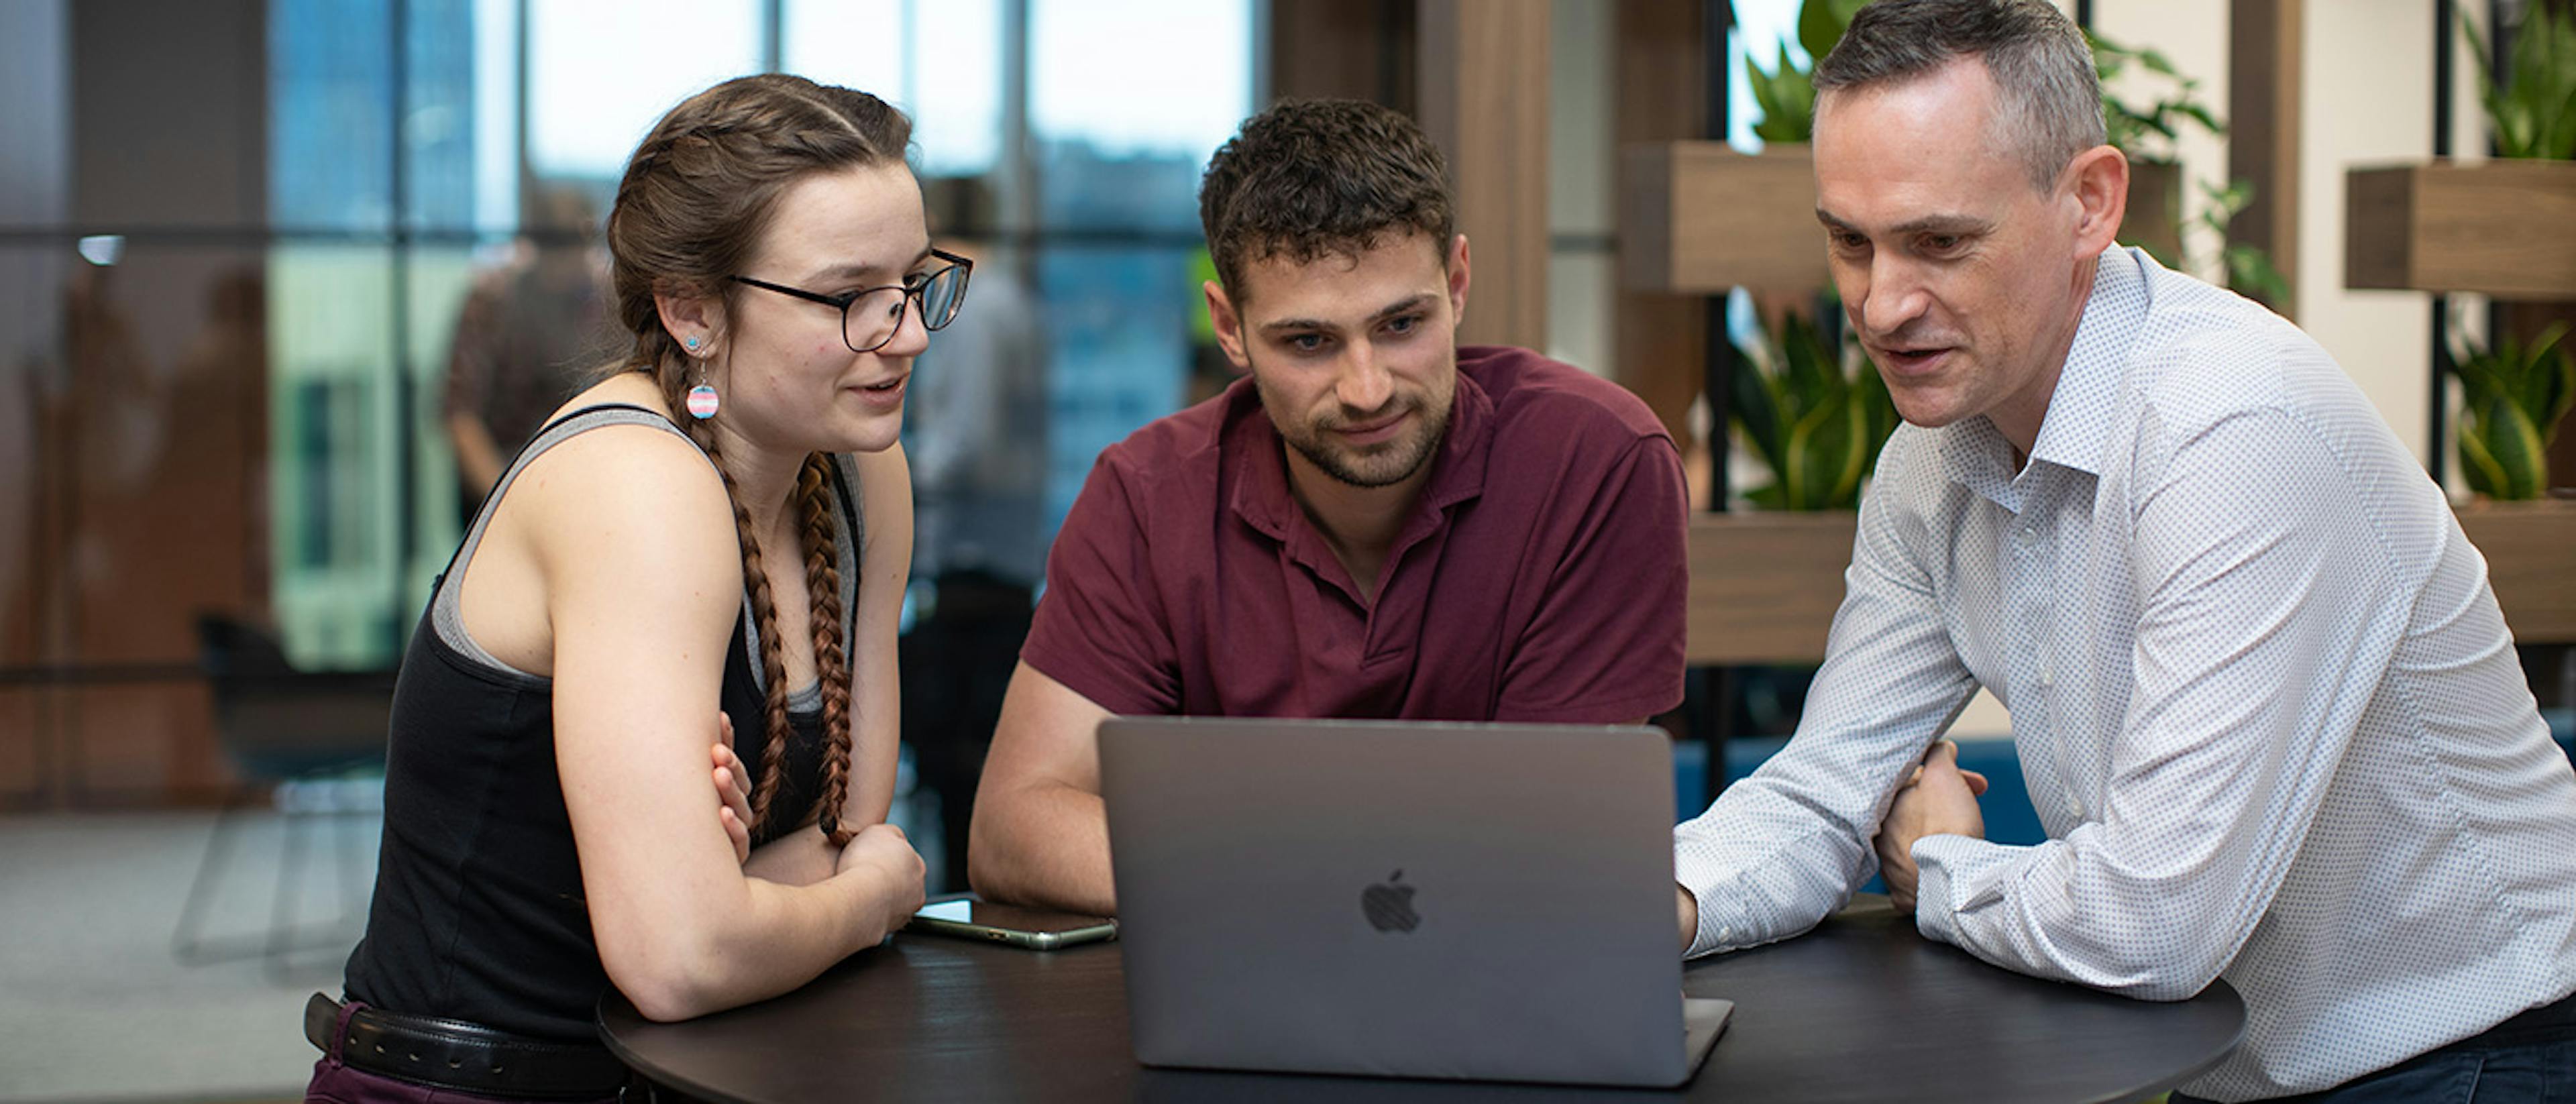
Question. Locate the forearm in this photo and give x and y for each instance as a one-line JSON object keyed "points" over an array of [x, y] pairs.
{"points": [[1758, 869], [2076, 910], [780, 937], [803, 857], [1046, 845]]}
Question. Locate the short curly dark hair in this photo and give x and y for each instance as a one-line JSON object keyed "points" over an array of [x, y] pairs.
{"points": [[1309, 178]]}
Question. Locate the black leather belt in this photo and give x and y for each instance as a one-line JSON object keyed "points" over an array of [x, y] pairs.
{"points": [[454, 1054]]}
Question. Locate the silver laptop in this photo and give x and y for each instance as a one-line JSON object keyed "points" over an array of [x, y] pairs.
{"points": [[1492, 902]]}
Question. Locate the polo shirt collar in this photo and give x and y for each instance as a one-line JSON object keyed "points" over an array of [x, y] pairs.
{"points": [[1261, 496], [2077, 426]]}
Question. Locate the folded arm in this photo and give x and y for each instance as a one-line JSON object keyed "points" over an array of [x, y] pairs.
{"points": [[1782, 849], [615, 516]]}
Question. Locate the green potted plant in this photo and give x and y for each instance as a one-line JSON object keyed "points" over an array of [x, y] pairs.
{"points": [[1682, 199], [1701, 217], [1814, 414], [2512, 398], [2505, 227], [2147, 132], [2515, 395]]}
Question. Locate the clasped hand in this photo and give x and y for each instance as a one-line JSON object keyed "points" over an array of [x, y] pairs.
{"points": [[883, 844], [1938, 798]]}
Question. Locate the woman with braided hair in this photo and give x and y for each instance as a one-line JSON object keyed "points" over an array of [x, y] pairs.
{"points": [[711, 540]]}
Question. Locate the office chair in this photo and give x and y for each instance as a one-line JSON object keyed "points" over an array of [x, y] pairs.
{"points": [[307, 743]]}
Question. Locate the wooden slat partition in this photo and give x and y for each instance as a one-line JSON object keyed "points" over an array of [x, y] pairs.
{"points": [[2267, 46], [1662, 337], [1343, 49], [1484, 100]]}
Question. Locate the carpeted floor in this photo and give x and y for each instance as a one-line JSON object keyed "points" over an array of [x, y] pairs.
{"points": [[94, 1004], [96, 1007]]}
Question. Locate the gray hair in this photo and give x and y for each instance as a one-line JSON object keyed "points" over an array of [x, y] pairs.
{"points": [[2049, 97]]}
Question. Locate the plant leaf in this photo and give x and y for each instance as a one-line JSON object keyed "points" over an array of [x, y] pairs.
{"points": [[2250, 270], [2554, 414], [1756, 411], [2537, 389], [1820, 26], [1812, 452], [2514, 443], [2478, 463], [2200, 114]]}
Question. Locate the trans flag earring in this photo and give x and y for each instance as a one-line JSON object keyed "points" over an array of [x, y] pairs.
{"points": [[702, 398]]}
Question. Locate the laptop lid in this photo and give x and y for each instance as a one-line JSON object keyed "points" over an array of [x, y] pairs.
{"points": [[1422, 899]]}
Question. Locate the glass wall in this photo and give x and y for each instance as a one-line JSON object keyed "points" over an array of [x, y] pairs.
{"points": [[258, 233]]}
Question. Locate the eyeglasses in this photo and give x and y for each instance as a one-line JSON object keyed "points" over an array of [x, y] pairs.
{"points": [[870, 316]]}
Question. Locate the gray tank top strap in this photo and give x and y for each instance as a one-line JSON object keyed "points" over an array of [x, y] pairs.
{"points": [[447, 610]]}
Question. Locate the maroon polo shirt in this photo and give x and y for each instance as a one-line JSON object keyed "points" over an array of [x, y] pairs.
{"points": [[1540, 578]]}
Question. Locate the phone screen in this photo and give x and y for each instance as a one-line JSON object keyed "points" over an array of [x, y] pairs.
{"points": [[1008, 917]]}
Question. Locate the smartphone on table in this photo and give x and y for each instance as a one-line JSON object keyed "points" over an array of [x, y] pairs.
{"points": [[1033, 929]]}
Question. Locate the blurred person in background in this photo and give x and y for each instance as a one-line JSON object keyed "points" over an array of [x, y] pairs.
{"points": [[976, 436], [711, 540], [528, 333]]}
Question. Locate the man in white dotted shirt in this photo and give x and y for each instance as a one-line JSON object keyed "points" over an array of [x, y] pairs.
{"points": [[2263, 698]]}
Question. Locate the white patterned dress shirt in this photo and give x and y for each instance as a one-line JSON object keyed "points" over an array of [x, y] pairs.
{"points": [[2263, 698]]}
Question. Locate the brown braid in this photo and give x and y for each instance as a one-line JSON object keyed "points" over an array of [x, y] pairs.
{"points": [[823, 585], [690, 209], [764, 610]]}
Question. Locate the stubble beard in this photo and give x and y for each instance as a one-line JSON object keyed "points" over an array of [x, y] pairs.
{"points": [[1378, 465]]}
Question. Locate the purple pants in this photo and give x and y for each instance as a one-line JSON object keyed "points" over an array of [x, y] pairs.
{"points": [[337, 1082]]}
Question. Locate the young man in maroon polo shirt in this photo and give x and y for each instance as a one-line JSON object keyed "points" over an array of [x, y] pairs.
{"points": [[1374, 523]]}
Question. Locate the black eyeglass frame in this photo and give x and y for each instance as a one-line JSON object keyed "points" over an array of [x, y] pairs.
{"points": [[913, 289]]}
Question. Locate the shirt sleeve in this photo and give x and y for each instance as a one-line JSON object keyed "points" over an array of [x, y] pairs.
{"points": [[1605, 644], [1784, 848], [2267, 613], [1099, 629]]}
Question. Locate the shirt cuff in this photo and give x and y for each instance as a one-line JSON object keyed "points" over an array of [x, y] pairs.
{"points": [[1952, 877], [1722, 923]]}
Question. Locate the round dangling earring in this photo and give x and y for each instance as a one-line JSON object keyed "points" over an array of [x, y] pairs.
{"points": [[702, 398]]}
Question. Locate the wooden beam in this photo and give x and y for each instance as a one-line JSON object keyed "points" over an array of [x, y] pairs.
{"points": [[1662, 338], [1484, 100], [2266, 47], [2505, 228], [2530, 549], [1764, 586], [1700, 218], [1343, 49]]}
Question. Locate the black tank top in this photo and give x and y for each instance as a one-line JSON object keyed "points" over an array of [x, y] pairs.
{"points": [[478, 913]]}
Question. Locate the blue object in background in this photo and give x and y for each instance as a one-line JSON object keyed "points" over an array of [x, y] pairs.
{"points": [[2009, 816]]}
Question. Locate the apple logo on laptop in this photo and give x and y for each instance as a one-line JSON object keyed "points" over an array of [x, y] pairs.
{"points": [[1389, 905]]}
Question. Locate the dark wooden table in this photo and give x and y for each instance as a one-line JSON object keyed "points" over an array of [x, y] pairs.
{"points": [[1861, 1009]]}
